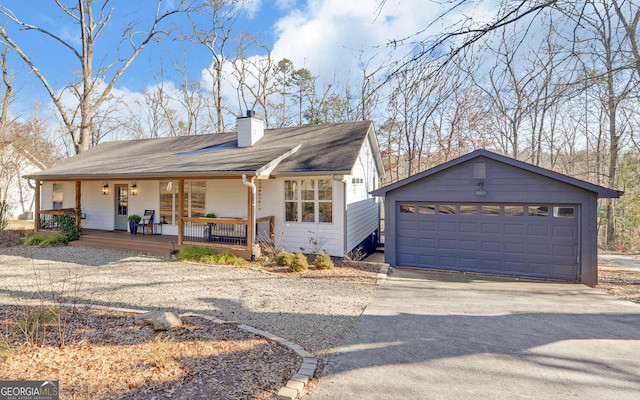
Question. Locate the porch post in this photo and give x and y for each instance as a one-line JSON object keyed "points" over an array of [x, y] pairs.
{"points": [[36, 207], [78, 203], [180, 211]]}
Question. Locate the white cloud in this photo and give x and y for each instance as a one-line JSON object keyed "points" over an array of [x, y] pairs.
{"points": [[328, 37]]}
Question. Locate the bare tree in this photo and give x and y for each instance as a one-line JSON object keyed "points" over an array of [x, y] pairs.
{"points": [[628, 13], [601, 39], [254, 76], [214, 34], [91, 18]]}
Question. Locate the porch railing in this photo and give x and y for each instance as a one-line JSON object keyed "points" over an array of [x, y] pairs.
{"points": [[53, 220], [224, 231]]}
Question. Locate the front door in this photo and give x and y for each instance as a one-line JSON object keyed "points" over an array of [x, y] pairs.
{"points": [[122, 207]]}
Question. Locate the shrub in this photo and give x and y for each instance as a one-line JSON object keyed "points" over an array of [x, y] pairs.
{"points": [[55, 240], [193, 253], [66, 224], [284, 258], [35, 240], [209, 256], [34, 322], [324, 261], [40, 240], [226, 257], [299, 263]]}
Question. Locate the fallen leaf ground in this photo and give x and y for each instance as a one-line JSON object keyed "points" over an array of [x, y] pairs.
{"points": [[619, 282], [107, 356]]}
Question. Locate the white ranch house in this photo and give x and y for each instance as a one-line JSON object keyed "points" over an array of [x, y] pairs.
{"points": [[293, 184]]}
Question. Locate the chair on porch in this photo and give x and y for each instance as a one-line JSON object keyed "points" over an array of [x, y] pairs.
{"points": [[146, 221]]}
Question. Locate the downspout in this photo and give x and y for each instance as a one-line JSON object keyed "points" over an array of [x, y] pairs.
{"points": [[344, 212], [251, 185]]}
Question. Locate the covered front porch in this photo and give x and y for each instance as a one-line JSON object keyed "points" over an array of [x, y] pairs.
{"points": [[163, 235]]}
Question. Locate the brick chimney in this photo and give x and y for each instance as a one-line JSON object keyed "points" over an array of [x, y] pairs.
{"points": [[250, 129]]}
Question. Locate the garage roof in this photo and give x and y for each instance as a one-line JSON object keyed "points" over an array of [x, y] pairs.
{"points": [[600, 190]]}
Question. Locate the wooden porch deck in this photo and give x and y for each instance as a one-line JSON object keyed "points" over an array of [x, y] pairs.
{"points": [[124, 241]]}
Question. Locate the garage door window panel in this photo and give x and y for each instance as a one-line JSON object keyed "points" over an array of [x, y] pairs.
{"points": [[513, 211], [447, 209], [466, 209], [538, 211], [427, 209], [490, 210], [563, 212], [407, 208]]}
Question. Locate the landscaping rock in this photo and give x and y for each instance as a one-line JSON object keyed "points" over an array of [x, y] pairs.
{"points": [[161, 320]]}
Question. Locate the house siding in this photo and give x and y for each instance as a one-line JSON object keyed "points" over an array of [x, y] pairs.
{"points": [[99, 209], [363, 209], [294, 236], [363, 220], [227, 198], [19, 195]]}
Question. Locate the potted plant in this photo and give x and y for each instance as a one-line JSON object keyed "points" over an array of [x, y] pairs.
{"points": [[133, 220], [210, 215]]}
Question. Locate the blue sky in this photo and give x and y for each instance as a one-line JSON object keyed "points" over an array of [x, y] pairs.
{"points": [[332, 38]]}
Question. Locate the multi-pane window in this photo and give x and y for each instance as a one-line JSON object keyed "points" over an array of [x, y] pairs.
{"points": [[308, 200], [194, 195], [58, 196], [194, 201]]}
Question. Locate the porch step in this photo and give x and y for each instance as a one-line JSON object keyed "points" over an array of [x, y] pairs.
{"points": [[125, 244], [380, 248]]}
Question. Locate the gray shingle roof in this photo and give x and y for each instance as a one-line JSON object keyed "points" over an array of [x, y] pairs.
{"points": [[331, 148]]}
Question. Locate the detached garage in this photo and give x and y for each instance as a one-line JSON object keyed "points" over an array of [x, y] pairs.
{"points": [[488, 213]]}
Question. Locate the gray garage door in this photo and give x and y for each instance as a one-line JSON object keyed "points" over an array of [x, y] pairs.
{"points": [[537, 240]]}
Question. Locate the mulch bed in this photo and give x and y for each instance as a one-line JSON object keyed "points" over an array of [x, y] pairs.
{"points": [[105, 355]]}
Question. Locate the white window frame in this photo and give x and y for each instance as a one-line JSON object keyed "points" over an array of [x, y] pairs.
{"points": [[298, 200]]}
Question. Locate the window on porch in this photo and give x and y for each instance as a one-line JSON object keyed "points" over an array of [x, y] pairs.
{"points": [[194, 200], [58, 196]]}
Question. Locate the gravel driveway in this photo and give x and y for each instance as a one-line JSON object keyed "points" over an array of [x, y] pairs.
{"points": [[315, 312]]}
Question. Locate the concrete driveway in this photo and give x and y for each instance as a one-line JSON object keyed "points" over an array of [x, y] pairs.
{"points": [[429, 335]]}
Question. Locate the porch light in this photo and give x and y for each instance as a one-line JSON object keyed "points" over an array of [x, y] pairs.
{"points": [[105, 189], [134, 189], [481, 191]]}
